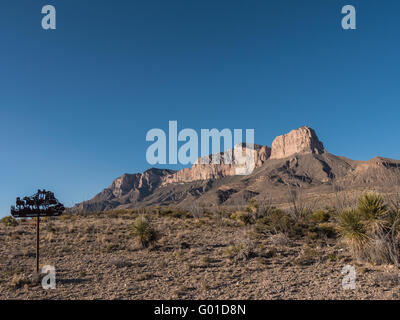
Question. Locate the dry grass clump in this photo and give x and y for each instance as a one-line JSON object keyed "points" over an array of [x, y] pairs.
{"points": [[242, 249], [19, 281], [233, 250], [307, 256]]}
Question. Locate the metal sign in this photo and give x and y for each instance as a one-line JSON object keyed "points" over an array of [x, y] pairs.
{"points": [[42, 204]]}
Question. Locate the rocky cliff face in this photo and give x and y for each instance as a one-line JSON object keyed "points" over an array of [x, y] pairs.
{"points": [[303, 141], [210, 171], [146, 182], [128, 188], [297, 160]]}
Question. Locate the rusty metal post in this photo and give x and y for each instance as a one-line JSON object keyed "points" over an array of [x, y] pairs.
{"points": [[37, 243]]}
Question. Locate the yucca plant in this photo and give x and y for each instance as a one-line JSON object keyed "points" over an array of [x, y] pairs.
{"points": [[372, 206], [371, 231], [144, 232], [353, 231], [374, 212]]}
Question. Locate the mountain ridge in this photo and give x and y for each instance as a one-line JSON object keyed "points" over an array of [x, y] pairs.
{"points": [[297, 159]]}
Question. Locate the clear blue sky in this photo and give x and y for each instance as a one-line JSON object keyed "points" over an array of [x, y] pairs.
{"points": [[76, 103]]}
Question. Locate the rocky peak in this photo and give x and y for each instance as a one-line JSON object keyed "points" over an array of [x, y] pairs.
{"points": [[147, 181], [303, 140]]}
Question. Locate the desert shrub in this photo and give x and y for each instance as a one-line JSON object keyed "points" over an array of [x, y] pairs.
{"points": [[233, 250], [9, 221], [19, 281], [306, 224], [327, 229], [279, 239], [111, 247], [144, 232], [243, 217], [372, 206], [264, 206], [65, 217], [277, 221], [112, 214], [374, 212], [320, 216], [196, 211], [165, 212], [371, 231], [240, 252], [353, 230], [307, 256], [175, 213], [252, 206]]}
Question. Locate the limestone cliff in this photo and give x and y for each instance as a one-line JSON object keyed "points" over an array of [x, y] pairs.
{"points": [[303, 140], [200, 171]]}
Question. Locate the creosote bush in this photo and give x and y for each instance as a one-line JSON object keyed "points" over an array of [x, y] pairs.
{"points": [[9, 221], [277, 221], [144, 232]]}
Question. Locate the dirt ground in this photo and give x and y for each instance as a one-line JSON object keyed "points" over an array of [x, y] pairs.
{"points": [[96, 257]]}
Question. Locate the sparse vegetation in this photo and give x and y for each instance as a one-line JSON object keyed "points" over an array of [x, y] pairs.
{"points": [[277, 221], [19, 281], [144, 232], [320, 216], [233, 250], [9, 221], [244, 218], [221, 252]]}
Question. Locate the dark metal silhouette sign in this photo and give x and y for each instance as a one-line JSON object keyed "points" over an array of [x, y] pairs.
{"points": [[41, 204]]}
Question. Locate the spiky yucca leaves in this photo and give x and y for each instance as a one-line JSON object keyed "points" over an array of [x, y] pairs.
{"points": [[353, 231], [374, 212], [371, 231], [144, 232], [372, 206]]}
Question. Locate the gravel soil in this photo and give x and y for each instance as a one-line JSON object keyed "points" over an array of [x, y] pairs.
{"points": [[96, 257]]}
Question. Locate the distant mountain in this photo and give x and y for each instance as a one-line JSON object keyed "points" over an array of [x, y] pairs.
{"points": [[296, 160]]}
